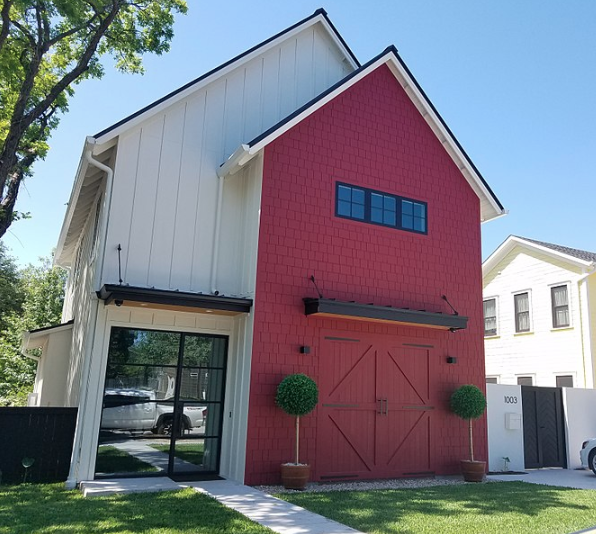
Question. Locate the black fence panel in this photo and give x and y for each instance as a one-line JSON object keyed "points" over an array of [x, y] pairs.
{"points": [[41, 435]]}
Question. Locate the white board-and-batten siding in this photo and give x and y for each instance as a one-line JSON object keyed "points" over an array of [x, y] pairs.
{"points": [[164, 197], [545, 352]]}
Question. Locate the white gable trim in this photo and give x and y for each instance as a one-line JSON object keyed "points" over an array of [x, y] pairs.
{"points": [[512, 241], [221, 72], [490, 207]]}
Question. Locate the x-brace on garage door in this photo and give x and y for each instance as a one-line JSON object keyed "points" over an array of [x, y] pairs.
{"points": [[375, 408]]}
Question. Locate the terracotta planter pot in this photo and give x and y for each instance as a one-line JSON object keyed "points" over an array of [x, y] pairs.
{"points": [[473, 471], [295, 476]]}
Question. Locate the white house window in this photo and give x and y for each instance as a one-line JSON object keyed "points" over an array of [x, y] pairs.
{"points": [[522, 312], [560, 306], [492, 380], [525, 381], [565, 381], [490, 317]]}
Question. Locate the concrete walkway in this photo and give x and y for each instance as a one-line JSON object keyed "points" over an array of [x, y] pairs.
{"points": [[565, 478], [280, 516]]}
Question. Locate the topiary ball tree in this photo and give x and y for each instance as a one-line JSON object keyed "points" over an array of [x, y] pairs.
{"points": [[297, 395], [468, 402]]}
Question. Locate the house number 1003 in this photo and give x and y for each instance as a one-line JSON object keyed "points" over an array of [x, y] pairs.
{"points": [[510, 400]]}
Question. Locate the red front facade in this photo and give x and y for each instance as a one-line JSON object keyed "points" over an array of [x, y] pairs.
{"points": [[372, 136]]}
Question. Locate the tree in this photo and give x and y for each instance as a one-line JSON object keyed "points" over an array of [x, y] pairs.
{"points": [[41, 289], [10, 296], [49, 46]]}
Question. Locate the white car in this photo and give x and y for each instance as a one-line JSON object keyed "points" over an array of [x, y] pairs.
{"points": [[136, 409], [587, 454]]}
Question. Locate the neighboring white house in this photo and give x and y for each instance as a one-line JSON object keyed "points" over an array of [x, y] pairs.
{"points": [[539, 314]]}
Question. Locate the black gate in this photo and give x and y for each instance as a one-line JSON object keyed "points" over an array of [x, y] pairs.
{"points": [[544, 430]]}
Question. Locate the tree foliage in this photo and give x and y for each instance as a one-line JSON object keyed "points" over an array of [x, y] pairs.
{"points": [[297, 394], [49, 46], [468, 402], [40, 291]]}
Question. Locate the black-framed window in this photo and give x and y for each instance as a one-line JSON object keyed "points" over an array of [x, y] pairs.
{"points": [[490, 317], [522, 312], [560, 306], [565, 381], [384, 209]]}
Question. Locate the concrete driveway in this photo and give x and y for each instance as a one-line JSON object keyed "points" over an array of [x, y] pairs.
{"points": [[566, 478]]}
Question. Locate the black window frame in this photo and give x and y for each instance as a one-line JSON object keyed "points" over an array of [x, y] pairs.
{"points": [[555, 308], [368, 208]]}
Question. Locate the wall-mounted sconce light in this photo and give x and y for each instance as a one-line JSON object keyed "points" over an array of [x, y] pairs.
{"points": [[305, 349], [451, 359]]}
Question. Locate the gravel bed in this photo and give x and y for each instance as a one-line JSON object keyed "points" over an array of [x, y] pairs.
{"points": [[397, 483]]}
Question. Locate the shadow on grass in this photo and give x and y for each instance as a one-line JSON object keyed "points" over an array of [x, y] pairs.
{"points": [[492, 507], [46, 508]]}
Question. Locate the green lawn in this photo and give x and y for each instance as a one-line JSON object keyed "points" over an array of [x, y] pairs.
{"points": [[189, 452], [50, 509], [503, 507], [113, 460]]}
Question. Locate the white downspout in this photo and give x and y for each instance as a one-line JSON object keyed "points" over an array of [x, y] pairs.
{"points": [[103, 223], [89, 341], [216, 235]]}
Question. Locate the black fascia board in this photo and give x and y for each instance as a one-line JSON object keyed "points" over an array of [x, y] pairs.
{"points": [[384, 313], [318, 12], [316, 99], [112, 292]]}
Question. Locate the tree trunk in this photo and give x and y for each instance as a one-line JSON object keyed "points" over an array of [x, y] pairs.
{"points": [[471, 442], [297, 439]]}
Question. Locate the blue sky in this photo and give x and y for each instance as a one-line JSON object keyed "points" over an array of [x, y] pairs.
{"points": [[515, 82]]}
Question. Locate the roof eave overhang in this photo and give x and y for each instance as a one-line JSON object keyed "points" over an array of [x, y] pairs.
{"points": [[491, 208], [111, 293], [512, 241], [36, 338], [385, 314]]}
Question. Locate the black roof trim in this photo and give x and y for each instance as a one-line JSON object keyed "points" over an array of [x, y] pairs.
{"points": [[318, 12], [45, 328], [316, 99], [112, 292], [313, 306]]}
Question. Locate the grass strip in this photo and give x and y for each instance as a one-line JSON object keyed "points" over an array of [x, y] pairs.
{"points": [[460, 509]]}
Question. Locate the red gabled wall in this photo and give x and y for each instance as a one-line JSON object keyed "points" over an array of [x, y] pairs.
{"points": [[370, 135]]}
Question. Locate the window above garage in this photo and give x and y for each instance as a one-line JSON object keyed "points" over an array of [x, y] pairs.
{"points": [[384, 209]]}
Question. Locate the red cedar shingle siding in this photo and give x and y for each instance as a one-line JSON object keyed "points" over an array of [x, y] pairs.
{"points": [[373, 136]]}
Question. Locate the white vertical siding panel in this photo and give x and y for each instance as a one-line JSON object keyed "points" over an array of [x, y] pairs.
{"points": [[320, 67], [287, 79], [186, 206], [123, 192], [212, 157], [160, 259], [234, 113], [305, 86], [228, 281], [270, 96], [143, 209], [253, 116]]}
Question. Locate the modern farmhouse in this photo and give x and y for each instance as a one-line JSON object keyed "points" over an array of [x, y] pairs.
{"points": [[290, 211]]}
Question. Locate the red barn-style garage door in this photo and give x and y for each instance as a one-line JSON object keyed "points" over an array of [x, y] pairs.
{"points": [[375, 408]]}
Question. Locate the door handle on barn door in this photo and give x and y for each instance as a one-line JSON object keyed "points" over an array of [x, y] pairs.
{"points": [[386, 406]]}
